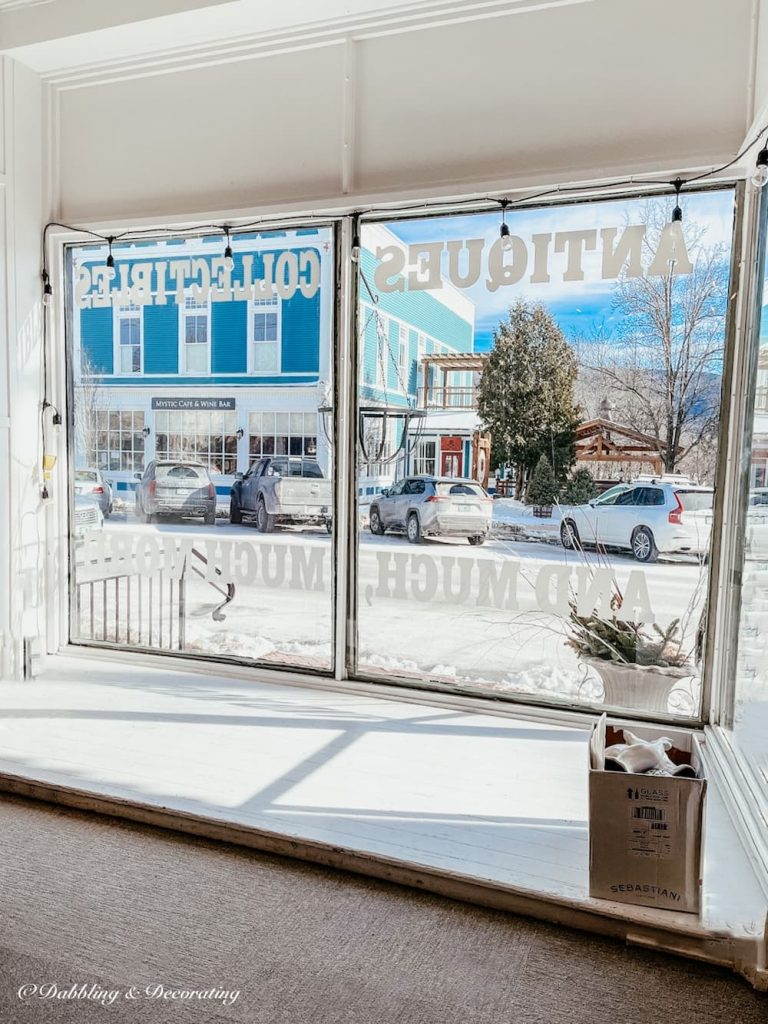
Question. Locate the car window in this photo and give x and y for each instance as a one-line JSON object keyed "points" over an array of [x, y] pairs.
{"points": [[629, 497], [85, 476], [651, 496], [311, 469], [182, 473], [396, 489], [414, 487], [474, 489], [611, 495], [696, 501]]}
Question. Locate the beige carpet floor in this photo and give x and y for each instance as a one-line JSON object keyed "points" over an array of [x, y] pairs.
{"points": [[100, 904]]}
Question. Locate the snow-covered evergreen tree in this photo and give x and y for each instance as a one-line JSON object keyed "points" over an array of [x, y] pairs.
{"points": [[543, 488], [580, 488], [525, 395]]}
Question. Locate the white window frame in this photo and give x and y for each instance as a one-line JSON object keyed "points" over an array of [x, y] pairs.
{"points": [[132, 311], [202, 309], [102, 425], [420, 459], [273, 305], [309, 428]]}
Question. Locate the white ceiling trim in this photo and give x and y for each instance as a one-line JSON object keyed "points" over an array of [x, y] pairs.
{"points": [[12, 5], [415, 15]]}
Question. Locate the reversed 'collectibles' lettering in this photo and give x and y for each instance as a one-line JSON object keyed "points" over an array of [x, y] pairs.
{"points": [[160, 281]]}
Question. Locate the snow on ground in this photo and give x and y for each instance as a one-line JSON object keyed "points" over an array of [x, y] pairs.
{"points": [[465, 643]]}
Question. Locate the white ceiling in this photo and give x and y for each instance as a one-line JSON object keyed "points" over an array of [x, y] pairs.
{"points": [[67, 34]]}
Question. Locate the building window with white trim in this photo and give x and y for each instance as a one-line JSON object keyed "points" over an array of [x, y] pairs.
{"points": [[265, 335], [128, 337], [425, 458], [111, 441], [282, 433], [196, 337]]}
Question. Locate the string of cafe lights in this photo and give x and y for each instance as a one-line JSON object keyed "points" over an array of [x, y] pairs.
{"points": [[759, 178]]}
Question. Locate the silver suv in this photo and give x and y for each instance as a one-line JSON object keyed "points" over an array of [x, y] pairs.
{"points": [[181, 489], [429, 506]]}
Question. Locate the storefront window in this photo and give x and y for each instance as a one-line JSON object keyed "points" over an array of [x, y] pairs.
{"points": [[207, 437], [546, 474], [202, 495], [282, 433]]}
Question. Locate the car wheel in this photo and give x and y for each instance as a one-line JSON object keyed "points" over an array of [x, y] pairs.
{"points": [[235, 512], [476, 541], [643, 545], [569, 535], [148, 517], [376, 524], [265, 523], [413, 529], [209, 518], [329, 526]]}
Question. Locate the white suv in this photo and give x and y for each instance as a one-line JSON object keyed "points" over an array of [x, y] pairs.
{"points": [[648, 517]]}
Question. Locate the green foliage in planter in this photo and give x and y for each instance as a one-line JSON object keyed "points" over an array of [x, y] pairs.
{"points": [[579, 489], [625, 642], [543, 489]]}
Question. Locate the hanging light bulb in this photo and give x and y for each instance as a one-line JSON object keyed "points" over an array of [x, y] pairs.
{"points": [[110, 257], [760, 177], [506, 238], [229, 263], [355, 254], [47, 290], [677, 213]]}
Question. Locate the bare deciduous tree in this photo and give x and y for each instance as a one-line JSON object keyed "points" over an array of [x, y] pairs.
{"points": [[663, 365], [90, 412]]}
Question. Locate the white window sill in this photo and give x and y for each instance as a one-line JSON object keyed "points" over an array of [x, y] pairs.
{"points": [[478, 806]]}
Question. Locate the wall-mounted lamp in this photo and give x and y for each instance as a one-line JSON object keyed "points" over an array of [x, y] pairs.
{"points": [[145, 431], [239, 433]]}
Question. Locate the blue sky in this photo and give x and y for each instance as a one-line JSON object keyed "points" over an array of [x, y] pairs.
{"points": [[578, 306]]}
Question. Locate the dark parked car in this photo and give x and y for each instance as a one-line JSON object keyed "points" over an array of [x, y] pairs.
{"points": [[181, 489]]}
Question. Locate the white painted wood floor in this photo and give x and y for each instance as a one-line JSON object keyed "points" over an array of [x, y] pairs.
{"points": [[491, 799]]}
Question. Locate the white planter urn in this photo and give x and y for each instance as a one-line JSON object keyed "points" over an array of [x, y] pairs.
{"points": [[639, 687]]}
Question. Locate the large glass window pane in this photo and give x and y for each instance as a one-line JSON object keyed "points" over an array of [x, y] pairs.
{"points": [[189, 557], [564, 420], [750, 711]]}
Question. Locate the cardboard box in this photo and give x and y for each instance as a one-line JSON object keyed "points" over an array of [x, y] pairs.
{"points": [[645, 831]]}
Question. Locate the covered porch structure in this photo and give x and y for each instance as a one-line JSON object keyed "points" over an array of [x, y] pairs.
{"points": [[450, 381], [607, 445]]}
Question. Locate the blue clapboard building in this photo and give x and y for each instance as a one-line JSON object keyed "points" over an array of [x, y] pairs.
{"points": [[188, 376]]}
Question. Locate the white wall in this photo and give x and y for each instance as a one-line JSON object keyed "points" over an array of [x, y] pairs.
{"points": [[21, 562]]}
